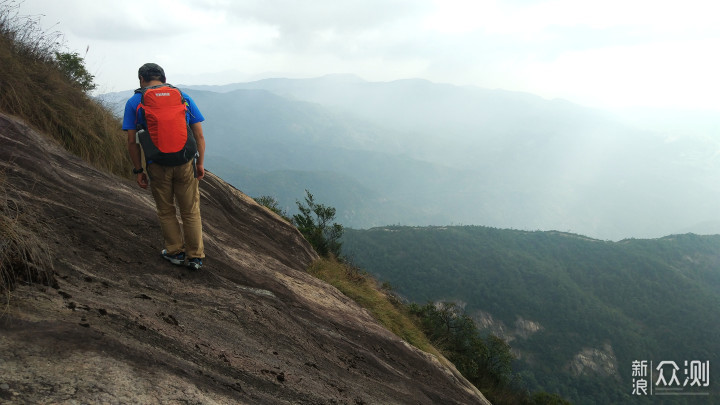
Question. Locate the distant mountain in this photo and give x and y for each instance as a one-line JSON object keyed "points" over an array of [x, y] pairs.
{"points": [[577, 311], [441, 154], [349, 158], [359, 204]]}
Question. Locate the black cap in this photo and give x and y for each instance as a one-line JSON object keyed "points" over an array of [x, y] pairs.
{"points": [[150, 71]]}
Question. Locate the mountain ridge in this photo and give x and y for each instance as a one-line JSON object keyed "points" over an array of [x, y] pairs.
{"points": [[444, 154], [121, 324], [524, 162], [574, 309]]}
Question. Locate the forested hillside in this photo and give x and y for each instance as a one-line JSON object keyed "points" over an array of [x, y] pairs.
{"points": [[577, 311]]}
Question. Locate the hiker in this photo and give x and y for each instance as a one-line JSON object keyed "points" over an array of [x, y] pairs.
{"points": [[174, 154]]}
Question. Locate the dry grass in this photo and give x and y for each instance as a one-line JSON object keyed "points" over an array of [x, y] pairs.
{"points": [[365, 290], [24, 256], [34, 89]]}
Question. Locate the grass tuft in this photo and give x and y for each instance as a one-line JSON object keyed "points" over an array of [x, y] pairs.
{"points": [[366, 291], [24, 256]]}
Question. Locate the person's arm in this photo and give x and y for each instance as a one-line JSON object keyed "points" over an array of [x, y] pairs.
{"points": [[136, 157], [129, 126], [200, 140]]}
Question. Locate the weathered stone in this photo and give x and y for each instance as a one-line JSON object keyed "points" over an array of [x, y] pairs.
{"points": [[242, 330], [522, 329], [593, 361]]}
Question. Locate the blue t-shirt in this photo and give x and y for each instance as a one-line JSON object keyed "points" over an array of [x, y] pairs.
{"points": [[130, 117]]}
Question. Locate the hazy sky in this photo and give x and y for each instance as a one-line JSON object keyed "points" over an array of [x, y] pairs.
{"points": [[608, 53]]}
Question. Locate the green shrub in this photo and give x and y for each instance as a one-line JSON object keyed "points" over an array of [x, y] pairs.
{"points": [[273, 205], [73, 66], [314, 222]]}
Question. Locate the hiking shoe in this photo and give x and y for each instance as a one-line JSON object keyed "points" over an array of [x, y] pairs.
{"points": [[177, 259], [194, 264]]}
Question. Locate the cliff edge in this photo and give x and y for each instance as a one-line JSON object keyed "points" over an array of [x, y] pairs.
{"points": [[118, 324]]}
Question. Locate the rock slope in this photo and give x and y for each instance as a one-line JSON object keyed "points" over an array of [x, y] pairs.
{"points": [[120, 325]]}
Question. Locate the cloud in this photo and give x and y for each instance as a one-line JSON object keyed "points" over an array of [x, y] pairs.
{"points": [[678, 74], [294, 18], [554, 48], [345, 29], [130, 20]]}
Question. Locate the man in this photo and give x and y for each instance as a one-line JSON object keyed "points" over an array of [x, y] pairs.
{"points": [[171, 185]]}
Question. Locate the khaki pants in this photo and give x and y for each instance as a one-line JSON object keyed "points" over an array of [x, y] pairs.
{"points": [[172, 185]]}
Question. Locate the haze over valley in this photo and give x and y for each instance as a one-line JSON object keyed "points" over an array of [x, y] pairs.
{"points": [[413, 152], [462, 112]]}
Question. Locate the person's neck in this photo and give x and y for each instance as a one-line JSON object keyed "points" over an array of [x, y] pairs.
{"points": [[151, 83]]}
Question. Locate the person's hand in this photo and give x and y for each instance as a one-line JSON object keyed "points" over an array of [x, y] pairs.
{"points": [[200, 171], [142, 180]]}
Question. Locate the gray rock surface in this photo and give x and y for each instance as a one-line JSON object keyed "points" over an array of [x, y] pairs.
{"points": [[120, 325]]}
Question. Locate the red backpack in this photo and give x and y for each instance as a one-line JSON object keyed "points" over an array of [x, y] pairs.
{"points": [[163, 131]]}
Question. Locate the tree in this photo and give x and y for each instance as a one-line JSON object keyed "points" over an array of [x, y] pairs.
{"points": [[452, 331], [73, 66], [314, 222], [544, 398], [498, 360]]}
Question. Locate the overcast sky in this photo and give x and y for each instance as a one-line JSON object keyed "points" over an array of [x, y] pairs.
{"points": [[607, 53]]}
